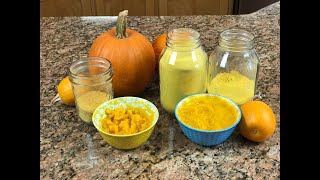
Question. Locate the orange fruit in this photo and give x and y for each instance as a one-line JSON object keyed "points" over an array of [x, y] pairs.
{"points": [[65, 92], [258, 121], [158, 45]]}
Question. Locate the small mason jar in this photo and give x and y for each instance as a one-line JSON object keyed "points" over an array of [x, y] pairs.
{"points": [[182, 68], [91, 79], [234, 66]]}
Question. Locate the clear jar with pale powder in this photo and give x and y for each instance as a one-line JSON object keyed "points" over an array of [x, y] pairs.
{"points": [[234, 66], [91, 79]]}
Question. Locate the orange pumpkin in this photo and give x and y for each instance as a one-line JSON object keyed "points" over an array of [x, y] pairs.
{"points": [[131, 55], [258, 121], [158, 45]]}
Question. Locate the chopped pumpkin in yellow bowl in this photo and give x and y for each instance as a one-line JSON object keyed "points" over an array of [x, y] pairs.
{"points": [[125, 122]]}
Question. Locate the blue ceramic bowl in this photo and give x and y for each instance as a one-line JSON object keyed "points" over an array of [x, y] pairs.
{"points": [[204, 137]]}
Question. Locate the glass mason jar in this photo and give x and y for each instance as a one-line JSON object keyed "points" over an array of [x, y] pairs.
{"points": [[182, 67], [91, 79], [234, 66]]}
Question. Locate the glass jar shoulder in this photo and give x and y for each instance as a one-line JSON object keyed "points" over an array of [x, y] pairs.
{"points": [[183, 59], [221, 57], [245, 63]]}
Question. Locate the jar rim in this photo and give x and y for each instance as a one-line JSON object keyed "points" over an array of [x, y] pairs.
{"points": [[246, 35], [183, 38], [183, 32], [236, 38], [84, 60]]}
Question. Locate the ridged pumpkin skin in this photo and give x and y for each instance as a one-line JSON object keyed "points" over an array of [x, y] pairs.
{"points": [[132, 59], [258, 121]]}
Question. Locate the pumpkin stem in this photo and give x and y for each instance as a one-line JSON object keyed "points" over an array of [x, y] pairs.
{"points": [[121, 25], [253, 131]]}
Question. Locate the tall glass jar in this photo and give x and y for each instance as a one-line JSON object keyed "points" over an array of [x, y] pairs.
{"points": [[234, 66], [182, 67], [91, 79]]}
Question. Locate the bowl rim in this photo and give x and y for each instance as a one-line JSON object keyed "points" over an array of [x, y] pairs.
{"points": [[208, 94], [126, 135]]}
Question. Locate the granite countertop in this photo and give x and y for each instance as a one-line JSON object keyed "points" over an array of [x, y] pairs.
{"points": [[70, 149]]}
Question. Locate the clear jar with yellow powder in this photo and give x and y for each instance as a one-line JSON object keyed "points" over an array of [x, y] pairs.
{"points": [[91, 79], [234, 66], [182, 68]]}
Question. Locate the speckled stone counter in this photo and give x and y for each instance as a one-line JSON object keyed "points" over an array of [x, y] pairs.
{"points": [[71, 149]]}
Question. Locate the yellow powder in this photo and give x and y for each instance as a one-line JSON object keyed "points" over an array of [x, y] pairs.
{"points": [[207, 113], [233, 85], [88, 102], [181, 73]]}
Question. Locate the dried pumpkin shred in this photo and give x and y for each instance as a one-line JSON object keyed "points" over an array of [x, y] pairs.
{"points": [[207, 113]]}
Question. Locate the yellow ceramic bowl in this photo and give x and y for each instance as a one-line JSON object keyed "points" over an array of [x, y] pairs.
{"points": [[130, 141]]}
